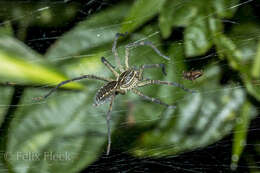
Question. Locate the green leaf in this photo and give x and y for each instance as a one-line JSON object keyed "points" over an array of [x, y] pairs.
{"points": [[94, 32], [64, 134], [240, 133], [176, 14], [225, 8], [252, 86], [90, 64], [199, 120], [165, 19], [22, 65], [246, 37], [197, 37], [240, 49], [226, 48], [141, 12], [174, 73], [256, 64], [215, 26], [179, 13], [5, 100]]}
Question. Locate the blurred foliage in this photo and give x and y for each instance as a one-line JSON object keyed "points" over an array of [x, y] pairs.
{"points": [[68, 123], [22, 65], [70, 132], [41, 13], [5, 95]]}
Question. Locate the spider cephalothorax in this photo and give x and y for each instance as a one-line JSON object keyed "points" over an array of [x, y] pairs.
{"points": [[129, 79]]}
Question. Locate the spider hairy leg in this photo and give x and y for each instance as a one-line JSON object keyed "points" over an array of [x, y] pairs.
{"points": [[146, 43], [159, 82], [114, 50], [151, 66], [154, 100], [72, 80], [108, 123], [109, 66]]}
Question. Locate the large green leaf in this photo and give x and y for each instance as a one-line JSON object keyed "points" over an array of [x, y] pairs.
{"points": [[246, 37], [175, 69], [199, 120], [141, 11], [65, 133], [93, 32], [22, 65], [197, 39], [240, 132], [69, 124]]}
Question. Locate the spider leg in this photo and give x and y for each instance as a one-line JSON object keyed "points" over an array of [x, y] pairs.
{"points": [[109, 66], [75, 79], [108, 124], [151, 66], [141, 43], [127, 52], [159, 82], [115, 51], [154, 100]]}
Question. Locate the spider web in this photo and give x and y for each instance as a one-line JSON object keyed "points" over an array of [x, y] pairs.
{"points": [[214, 156]]}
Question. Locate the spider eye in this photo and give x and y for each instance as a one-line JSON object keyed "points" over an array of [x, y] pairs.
{"points": [[116, 93]]}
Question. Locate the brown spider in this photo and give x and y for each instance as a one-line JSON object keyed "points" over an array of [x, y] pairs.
{"points": [[128, 79], [192, 75]]}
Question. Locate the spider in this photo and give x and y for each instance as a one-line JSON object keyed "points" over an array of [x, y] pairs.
{"points": [[192, 75], [128, 79]]}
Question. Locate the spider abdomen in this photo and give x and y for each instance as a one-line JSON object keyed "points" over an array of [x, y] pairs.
{"points": [[105, 93]]}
